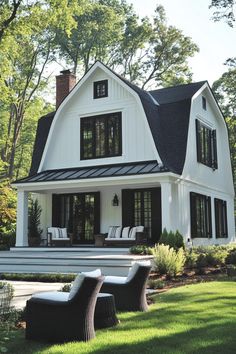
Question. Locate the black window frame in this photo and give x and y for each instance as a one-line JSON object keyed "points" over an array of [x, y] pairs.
{"points": [[206, 145], [96, 93], [202, 227], [221, 222], [94, 121]]}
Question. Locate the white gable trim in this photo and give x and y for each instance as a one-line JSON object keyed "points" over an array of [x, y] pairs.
{"points": [[76, 88], [215, 106]]}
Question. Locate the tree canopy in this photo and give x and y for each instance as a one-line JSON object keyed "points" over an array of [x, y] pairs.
{"points": [[224, 9]]}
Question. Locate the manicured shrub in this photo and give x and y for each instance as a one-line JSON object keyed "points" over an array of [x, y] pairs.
{"points": [[66, 288], [156, 284], [140, 249], [7, 241], [191, 258], [49, 278], [172, 239], [231, 257], [6, 295], [167, 260]]}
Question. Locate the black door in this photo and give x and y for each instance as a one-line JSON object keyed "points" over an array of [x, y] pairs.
{"points": [[79, 213], [143, 207]]}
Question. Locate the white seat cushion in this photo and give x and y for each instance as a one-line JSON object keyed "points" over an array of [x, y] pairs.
{"points": [[125, 232], [52, 295], [60, 238], [114, 279], [120, 239]]}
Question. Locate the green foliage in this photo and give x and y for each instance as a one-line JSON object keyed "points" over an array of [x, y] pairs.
{"points": [[231, 257], [173, 239], [45, 278], [224, 10], [66, 288], [156, 284], [167, 260], [140, 249], [6, 295], [207, 256], [144, 51], [7, 215], [35, 211]]}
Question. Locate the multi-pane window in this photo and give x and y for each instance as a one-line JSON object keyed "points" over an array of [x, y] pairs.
{"points": [[206, 145], [100, 89], [221, 218], [200, 208], [101, 136]]}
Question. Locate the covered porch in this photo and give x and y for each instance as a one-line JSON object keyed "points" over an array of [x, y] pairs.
{"points": [[89, 206]]}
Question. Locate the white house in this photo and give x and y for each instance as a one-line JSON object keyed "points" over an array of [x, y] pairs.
{"points": [[162, 156]]}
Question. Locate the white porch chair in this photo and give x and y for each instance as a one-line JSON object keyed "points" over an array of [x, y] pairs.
{"points": [[58, 236]]}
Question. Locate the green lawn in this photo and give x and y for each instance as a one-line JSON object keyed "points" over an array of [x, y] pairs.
{"points": [[191, 319]]}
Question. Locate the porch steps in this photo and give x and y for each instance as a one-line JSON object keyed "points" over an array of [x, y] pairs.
{"points": [[111, 262]]}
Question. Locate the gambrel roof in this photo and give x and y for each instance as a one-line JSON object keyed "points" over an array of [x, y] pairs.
{"points": [[167, 111]]}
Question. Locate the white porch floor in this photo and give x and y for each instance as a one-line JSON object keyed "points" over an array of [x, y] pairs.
{"points": [[111, 261]]}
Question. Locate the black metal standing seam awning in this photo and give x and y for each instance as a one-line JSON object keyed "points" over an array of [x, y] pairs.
{"points": [[123, 169]]}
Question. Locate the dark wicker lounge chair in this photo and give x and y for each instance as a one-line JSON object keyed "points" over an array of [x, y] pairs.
{"points": [[129, 292], [62, 319]]}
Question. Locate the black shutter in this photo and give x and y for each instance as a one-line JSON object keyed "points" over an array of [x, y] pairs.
{"points": [[198, 140], [214, 150], [193, 214], [96, 213], [208, 217], [127, 207], [56, 210], [216, 204], [225, 220]]}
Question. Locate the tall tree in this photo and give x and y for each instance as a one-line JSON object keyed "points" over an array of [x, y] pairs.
{"points": [[8, 13], [224, 9], [25, 52], [142, 50]]}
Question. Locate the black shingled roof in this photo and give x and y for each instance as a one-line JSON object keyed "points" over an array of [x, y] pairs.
{"points": [[168, 121]]}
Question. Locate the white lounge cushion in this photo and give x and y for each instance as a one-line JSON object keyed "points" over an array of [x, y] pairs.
{"points": [[52, 295], [79, 280], [135, 267], [63, 233], [125, 232], [140, 228], [114, 279], [132, 233], [76, 285]]}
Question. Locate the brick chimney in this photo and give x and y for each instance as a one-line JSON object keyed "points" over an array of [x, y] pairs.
{"points": [[64, 84]]}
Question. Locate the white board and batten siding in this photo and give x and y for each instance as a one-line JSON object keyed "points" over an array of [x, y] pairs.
{"points": [[202, 179], [63, 150]]}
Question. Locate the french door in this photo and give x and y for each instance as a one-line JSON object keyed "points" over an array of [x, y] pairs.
{"points": [[143, 207], [79, 213]]}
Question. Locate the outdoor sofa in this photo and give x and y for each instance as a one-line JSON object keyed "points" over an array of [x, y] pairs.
{"points": [[118, 236], [57, 236]]}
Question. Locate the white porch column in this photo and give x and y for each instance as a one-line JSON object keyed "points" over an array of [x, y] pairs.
{"points": [[166, 205], [22, 219]]}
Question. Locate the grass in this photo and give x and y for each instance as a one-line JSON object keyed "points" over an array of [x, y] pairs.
{"points": [[199, 318]]}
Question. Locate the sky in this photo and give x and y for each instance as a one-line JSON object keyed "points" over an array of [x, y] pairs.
{"points": [[216, 40]]}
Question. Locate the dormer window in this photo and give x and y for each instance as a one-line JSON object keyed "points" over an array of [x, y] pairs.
{"points": [[100, 89], [206, 145], [204, 103]]}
